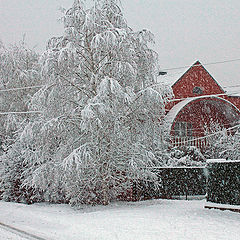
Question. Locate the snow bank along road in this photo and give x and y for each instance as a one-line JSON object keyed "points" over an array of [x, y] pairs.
{"points": [[149, 220]]}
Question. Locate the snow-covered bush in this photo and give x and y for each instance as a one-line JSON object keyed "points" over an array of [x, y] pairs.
{"points": [[12, 178], [185, 156], [222, 143]]}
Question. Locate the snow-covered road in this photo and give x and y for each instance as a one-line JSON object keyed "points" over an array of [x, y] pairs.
{"points": [[6, 235], [149, 220]]}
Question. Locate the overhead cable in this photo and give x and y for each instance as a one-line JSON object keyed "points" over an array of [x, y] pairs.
{"points": [[203, 64], [163, 70], [212, 134], [27, 112], [20, 88], [203, 96]]}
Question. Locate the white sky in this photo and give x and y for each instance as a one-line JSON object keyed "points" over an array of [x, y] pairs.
{"points": [[185, 30]]}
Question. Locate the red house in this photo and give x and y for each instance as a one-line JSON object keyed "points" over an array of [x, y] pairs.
{"points": [[199, 100]]}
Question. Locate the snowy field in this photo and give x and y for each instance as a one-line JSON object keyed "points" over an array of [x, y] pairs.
{"points": [[149, 220]]}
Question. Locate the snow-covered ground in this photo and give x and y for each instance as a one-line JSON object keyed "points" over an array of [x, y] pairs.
{"points": [[6, 235], [156, 219]]}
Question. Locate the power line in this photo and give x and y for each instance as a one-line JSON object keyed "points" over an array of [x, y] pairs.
{"points": [[233, 86], [204, 64], [39, 86], [20, 88], [212, 134], [202, 96], [166, 69], [28, 112], [172, 100]]}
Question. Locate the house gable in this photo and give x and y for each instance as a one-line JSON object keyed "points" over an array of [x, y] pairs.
{"points": [[196, 81]]}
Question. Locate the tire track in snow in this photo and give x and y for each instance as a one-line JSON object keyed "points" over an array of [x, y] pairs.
{"points": [[20, 232]]}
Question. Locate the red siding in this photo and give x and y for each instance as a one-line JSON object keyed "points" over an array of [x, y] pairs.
{"points": [[200, 112], [204, 110], [196, 76], [235, 100]]}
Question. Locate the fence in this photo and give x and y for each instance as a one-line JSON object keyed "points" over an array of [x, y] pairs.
{"points": [[173, 182], [189, 141]]}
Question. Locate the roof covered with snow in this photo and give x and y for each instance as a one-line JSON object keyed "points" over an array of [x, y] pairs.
{"points": [[171, 77]]}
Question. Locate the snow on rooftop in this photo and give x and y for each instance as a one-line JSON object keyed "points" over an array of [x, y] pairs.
{"points": [[171, 77], [172, 114], [232, 90]]}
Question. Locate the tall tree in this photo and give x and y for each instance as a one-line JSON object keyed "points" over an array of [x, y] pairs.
{"points": [[102, 108], [19, 70]]}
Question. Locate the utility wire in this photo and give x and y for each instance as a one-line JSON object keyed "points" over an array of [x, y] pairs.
{"points": [[39, 86], [204, 64], [166, 69], [29, 112], [212, 134], [172, 100], [20, 88], [202, 96]]}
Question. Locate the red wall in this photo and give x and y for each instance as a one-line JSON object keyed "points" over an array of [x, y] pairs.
{"points": [[196, 76], [234, 100], [199, 112], [204, 110]]}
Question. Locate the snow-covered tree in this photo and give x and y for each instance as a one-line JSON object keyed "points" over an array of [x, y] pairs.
{"points": [[18, 68], [222, 143], [102, 109]]}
